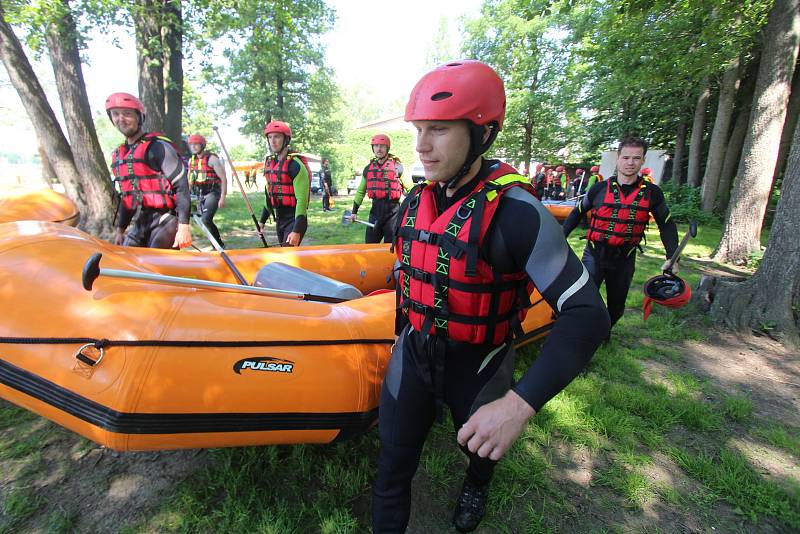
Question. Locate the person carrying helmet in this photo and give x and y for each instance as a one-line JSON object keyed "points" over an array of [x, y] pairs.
{"points": [[622, 206], [578, 183], [594, 177], [288, 186], [465, 271], [207, 178], [382, 181], [154, 191], [539, 181], [327, 184]]}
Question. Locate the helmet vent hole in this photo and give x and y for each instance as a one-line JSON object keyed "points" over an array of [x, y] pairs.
{"points": [[454, 64], [441, 96]]}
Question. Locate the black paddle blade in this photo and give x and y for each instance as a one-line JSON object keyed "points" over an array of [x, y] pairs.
{"points": [[693, 228], [91, 270]]}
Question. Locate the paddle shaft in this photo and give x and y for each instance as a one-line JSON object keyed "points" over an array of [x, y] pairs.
{"points": [[241, 190], [92, 270], [214, 243], [675, 255], [347, 220]]}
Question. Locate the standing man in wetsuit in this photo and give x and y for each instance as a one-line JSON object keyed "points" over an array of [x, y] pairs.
{"points": [[207, 177], [622, 206], [465, 272], [382, 182], [154, 191], [327, 184], [288, 186]]}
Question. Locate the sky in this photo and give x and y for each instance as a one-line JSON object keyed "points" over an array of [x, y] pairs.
{"points": [[368, 37]]}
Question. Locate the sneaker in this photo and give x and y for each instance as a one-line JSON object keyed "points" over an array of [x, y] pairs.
{"points": [[471, 506]]}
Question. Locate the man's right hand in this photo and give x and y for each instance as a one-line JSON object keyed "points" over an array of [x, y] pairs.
{"points": [[119, 237], [353, 217]]}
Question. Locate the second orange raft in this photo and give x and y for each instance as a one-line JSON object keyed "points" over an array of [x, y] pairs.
{"points": [[184, 367]]}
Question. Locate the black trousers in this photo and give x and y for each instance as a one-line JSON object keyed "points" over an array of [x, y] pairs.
{"points": [[424, 373], [284, 222], [209, 203], [382, 214], [614, 266], [152, 229]]}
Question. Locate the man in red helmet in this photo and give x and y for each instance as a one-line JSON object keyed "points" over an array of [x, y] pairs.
{"points": [[465, 272], [561, 182], [288, 185], [594, 177], [382, 181], [207, 177], [539, 181], [622, 206], [154, 191]]}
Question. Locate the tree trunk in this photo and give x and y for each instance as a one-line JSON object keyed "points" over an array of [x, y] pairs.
{"points": [[741, 233], [48, 174], [41, 115], [698, 130], [172, 36], [680, 149], [792, 112], [770, 300], [732, 154], [97, 210], [147, 16], [719, 136]]}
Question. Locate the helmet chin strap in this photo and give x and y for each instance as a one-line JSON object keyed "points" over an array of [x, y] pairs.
{"points": [[476, 148]]}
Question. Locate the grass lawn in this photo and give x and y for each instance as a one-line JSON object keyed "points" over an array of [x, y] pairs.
{"points": [[640, 442]]}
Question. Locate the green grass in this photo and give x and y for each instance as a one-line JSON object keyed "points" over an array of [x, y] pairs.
{"points": [[634, 406]]}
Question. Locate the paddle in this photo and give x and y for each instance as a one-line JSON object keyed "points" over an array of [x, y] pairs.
{"points": [[675, 255], [347, 220], [214, 243], [92, 270], [241, 190]]}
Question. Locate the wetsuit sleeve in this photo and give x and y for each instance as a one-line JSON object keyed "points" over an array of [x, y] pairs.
{"points": [[580, 210], [582, 321], [161, 155], [125, 216], [301, 182], [667, 228], [361, 190]]}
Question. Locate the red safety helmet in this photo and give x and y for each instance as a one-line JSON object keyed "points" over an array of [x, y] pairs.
{"points": [[277, 127], [197, 139], [560, 168], [381, 139], [647, 170], [595, 169], [667, 290], [466, 89], [125, 101], [579, 172]]}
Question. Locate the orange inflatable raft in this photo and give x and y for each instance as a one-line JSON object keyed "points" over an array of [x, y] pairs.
{"points": [[39, 205], [135, 365], [560, 209]]}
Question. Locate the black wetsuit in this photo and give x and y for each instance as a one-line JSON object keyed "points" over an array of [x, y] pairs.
{"points": [[154, 228], [208, 195], [382, 214], [473, 375], [615, 265], [327, 187]]}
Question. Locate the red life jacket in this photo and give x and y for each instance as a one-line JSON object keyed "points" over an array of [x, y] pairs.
{"points": [[201, 173], [382, 181], [446, 287], [280, 186], [621, 220], [140, 185]]}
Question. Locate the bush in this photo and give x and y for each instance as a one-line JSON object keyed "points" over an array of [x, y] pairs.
{"points": [[684, 204]]}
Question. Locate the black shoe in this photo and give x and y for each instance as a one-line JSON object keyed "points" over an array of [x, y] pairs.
{"points": [[471, 506]]}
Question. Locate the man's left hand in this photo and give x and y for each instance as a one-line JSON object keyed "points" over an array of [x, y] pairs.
{"points": [[494, 427], [183, 238], [221, 203], [293, 239]]}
